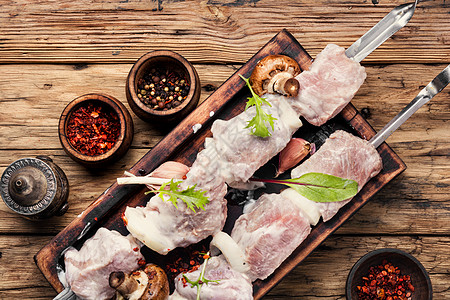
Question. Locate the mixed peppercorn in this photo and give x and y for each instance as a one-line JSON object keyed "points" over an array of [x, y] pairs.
{"points": [[385, 282], [162, 89], [93, 129]]}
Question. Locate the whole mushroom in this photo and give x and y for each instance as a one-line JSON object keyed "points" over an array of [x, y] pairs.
{"points": [[147, 283], [275, 74]]}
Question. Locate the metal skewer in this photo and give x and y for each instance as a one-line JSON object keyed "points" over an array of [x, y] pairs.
{"points": [[425, 95], [383, 30]]}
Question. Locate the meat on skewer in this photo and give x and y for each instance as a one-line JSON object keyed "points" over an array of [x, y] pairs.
{"points": [[163, 227], [280, 222], [230, 284], [342, 155], [88, 269], [328, 86]]}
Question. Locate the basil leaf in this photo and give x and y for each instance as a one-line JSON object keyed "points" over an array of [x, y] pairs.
{"points": [[320, 187]]}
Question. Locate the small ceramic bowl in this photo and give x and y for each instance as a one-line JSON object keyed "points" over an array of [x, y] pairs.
{"points": [[404, 261], [123, 141], [162, 60]]}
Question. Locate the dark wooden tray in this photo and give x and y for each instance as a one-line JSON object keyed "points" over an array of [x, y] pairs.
{"points": [[182, 145]]}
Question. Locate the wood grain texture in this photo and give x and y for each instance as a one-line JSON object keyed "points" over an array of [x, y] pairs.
{"points": [[54, 51], [321, 276], [214, 31]]}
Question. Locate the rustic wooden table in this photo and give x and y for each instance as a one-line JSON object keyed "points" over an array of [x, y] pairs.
{"points": [[53, 51]]}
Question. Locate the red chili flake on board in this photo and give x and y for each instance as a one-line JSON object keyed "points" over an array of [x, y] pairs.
{"points": [[136, 249], [385, 282], [141, 262], [187, 260], [93, 129]]}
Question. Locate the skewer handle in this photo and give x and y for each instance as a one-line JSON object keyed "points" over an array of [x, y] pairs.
{"points": [[425, 95]]}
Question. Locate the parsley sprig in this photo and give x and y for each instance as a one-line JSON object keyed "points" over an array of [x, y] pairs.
{"points": [[201, 278], [193, 198], [258, 125]]}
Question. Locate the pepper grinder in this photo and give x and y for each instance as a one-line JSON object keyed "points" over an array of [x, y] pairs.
{"points": [[36, 188]]}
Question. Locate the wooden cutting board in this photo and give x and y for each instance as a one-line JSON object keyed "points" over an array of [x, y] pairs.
{"points": [[182, 144]]}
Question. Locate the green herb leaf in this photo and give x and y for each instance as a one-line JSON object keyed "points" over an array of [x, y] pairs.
{"points": [[192, 197], [320, 187], [258, 125], [201, 278]]}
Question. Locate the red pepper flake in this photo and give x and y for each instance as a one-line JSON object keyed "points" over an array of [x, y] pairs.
{"points": [[125, 221], [95, 219], [93, 129], [141, 262], [385, 282], [136, 249]]}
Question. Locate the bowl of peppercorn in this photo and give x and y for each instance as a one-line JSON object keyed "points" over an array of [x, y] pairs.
{"points": [[162, 87], [95, 130], [388, 274]]}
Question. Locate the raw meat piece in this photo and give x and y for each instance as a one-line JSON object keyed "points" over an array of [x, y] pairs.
{"points": [[232, 285], [270, 233], [343, 155], [236, 154], [163, 227], [87, 270], [328, 86]]}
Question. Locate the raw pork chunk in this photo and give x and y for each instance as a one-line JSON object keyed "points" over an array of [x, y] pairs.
{"points": [[328, 86], [87, 270], [270, 233], [236, 154], [231, 284], [343, 155], [163, 227]]}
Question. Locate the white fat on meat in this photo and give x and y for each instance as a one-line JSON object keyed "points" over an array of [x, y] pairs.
{"points": [[269, 234], [236, 154], [231, 284], [163, 227], [343, 155], [88, 269], [328, 86]]}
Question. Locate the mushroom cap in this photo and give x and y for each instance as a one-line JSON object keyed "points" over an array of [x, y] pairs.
{"points": [[270, 66], [158, 287]]}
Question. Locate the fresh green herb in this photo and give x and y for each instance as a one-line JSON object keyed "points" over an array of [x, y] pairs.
{"points": [[319, 187], [192, 197], [257, 125], [201, 278]]}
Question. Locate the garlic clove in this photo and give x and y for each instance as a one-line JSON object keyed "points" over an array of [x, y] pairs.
{"points": [[169, 170], [294, 152]]}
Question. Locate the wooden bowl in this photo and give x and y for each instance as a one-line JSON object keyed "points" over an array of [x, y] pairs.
{"points": [[122, 143], [404, 261], [158, 60]]}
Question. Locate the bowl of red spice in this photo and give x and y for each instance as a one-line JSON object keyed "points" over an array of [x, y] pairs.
{"points": [[162, 87], [388, 274], [95, 129]]}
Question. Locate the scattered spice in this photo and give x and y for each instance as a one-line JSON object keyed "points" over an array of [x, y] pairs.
{"points": [[162, 89], [93, 129], [385, 282], [185, 260]]}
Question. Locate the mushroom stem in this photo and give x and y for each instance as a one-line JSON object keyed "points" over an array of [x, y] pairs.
{"points": [[122, 282], [287, 86]]}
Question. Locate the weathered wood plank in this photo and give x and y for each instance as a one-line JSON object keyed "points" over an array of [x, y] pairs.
{"points": [[324, 273], [36, 96], [331, 263], [219, 31]]}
